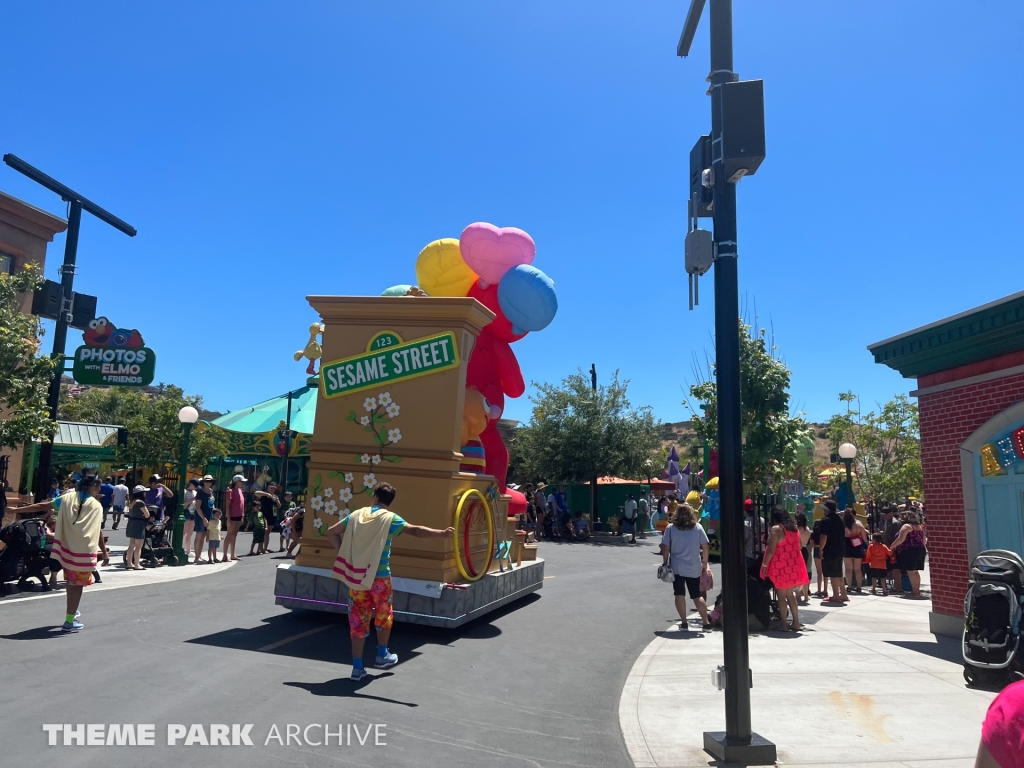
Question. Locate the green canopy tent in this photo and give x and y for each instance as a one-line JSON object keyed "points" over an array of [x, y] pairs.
{"points": [[257, 435]]}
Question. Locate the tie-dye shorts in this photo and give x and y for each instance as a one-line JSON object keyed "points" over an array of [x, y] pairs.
{"points": [[373, 604]]}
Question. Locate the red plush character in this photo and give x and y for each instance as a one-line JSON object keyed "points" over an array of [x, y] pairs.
{"points": [[494, 371]]}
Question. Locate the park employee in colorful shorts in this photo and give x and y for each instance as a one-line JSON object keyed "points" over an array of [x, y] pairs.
{"points": [[364, 566], [77, 539]]}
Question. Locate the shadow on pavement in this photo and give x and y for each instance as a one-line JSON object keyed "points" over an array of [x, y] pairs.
{"points": [[345, 688], [323, 636], [945, 648], [37, 633]]}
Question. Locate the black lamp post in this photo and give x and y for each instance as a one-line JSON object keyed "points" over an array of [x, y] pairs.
{"points": [[188, 416], [734, 149], [848, 452]]}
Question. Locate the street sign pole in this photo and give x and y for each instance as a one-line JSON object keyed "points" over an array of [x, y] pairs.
{"points": [[60, 338], [738, 744], [77, 204]]}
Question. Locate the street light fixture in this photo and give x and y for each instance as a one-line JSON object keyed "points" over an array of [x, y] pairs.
{"points": [[848, 452], [188, 416]]}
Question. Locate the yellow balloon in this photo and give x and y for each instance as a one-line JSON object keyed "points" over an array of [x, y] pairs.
{"points": [[441, 270]]}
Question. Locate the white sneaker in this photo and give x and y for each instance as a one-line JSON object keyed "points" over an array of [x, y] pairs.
{"points": [[358, 674], [383, 662]]}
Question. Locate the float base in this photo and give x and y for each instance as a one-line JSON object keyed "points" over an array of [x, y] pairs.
{"points": [[415, 602]]}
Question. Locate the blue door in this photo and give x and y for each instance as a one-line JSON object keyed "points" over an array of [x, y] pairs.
{"points": [[1002, 515]]}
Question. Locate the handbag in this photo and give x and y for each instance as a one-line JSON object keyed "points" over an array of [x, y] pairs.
{"points": [[707, 580], [665, 574]]}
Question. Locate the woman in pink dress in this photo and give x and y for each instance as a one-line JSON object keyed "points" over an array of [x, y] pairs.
{"points": [[784, 564]]}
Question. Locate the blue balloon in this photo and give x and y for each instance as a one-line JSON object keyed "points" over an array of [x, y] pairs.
{"points": [[527, 297]]}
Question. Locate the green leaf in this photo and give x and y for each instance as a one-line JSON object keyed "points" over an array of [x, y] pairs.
{"points": [[383, 436], [351, 416], [393, 459]]}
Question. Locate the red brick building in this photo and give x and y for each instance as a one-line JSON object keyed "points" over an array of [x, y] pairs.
{"points": [[970, 389]]}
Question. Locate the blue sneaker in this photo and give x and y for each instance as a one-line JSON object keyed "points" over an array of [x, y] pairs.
{"points": [[383, 662], [358, 674], [71, 627]]}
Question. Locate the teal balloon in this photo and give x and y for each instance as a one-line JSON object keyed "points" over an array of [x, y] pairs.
{"points": [[397, 290]]}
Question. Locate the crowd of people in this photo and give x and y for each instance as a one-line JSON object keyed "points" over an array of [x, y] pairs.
{"points": [[75, 517], [846, 555], [547, 516]]}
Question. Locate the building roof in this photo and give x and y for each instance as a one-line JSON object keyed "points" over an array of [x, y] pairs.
{"points": [[978, 334], [79, 435], [609, 480], [27, 217]]}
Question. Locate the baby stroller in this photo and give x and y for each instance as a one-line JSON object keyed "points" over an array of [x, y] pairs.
{"points": [[23, 557], [992, 615], [156, 547]]}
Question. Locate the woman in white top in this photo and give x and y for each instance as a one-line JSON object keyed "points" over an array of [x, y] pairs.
{"points": [[685, 547], [190, 513]]}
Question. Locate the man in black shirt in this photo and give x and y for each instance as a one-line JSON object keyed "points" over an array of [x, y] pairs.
{"points": [[269, 506], [832, 540]]}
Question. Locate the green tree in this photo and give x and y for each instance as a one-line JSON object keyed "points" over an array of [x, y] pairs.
{"points": [[771, 434], [576, 433], [888, 463], [26, 376], [154, 432]]}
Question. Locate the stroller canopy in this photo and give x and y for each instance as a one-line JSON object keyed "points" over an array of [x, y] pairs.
{"points": [[998, 565]]}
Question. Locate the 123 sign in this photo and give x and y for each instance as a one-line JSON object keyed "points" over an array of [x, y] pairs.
{"points": [[113, 357]]}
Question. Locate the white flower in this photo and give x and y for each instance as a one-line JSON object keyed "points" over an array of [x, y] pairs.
{"points": [[344, 512], [364, 459], [394, 410], [370, 480], [370, 403], [344, 495], [316, 503], [328, 492], [331, 507], [384, 398], [348, 479], [364, 420], [394, 435], [318, 523], [375, 459]]}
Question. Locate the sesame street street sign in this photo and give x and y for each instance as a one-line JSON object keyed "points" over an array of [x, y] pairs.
{"points": [[113, 357], [388, 359]]}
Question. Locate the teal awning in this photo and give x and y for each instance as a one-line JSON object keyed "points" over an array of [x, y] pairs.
{"points": [[263, 417]]}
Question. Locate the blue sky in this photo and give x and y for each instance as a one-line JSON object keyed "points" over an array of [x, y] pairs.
{"points": [[265, 154]]}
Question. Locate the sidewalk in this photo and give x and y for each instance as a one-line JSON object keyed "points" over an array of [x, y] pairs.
{"points": [[864, 685], [116, 577]]}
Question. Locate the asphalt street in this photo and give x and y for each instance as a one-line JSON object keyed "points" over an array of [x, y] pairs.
{"points": [[534, 684]]}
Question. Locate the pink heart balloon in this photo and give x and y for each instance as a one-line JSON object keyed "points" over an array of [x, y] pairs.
{"points": [[492, 251]]}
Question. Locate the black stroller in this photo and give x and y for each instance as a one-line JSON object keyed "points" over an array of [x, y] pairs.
{"points": [[23, 557], [156, 547], [992, 615]]}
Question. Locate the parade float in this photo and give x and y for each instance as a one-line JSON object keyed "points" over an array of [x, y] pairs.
{"points": [[412, 384]]}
